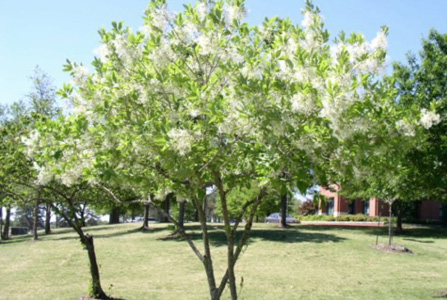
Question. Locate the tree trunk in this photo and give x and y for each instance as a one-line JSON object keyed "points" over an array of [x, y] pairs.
{"points": [[96, 290], [283, 221], [5, 233], [114, 217], [82, 216], [196, 215], [390, 224], [399, 228], [207, 259], [133, 214], [146, 217], [181, 216], [48, 219], [36, 219], [166, 207]]}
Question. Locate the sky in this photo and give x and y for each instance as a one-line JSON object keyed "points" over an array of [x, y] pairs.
{"points": [[47, 32]]}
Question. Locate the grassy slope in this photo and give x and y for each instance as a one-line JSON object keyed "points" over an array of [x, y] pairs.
{"points": [[297, 263]]}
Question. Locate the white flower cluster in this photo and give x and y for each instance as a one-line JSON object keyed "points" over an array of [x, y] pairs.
{"points": [[429, 118], [31, 142], [380, 42], [181, 140], [103, 52], [43, 176], [405, 128], [302, 103], [309, 19], [80, 74]]}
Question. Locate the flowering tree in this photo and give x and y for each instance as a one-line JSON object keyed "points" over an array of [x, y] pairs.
{"points": [[201, 100]]}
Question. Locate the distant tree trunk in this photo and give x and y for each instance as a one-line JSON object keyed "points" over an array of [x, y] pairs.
{"points": [[166, 207], [181, 216], [196, 215], [399, 228], [146, 217], [36, 218], [48, 219], [114, 217], [5, 233], [390, 223], [283, 221], [133, 214]]}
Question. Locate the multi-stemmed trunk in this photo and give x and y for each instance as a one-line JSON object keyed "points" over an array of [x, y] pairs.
{"points": [[5, 232], [48, 219], [283, 220], [234, 248]]}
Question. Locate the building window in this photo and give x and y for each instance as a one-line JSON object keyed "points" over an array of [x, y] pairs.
{"points": [[366, 207], [330, 206], [352, 207]]}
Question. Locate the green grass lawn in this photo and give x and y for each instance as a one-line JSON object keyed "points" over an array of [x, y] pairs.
{"points": [[296, 263]]}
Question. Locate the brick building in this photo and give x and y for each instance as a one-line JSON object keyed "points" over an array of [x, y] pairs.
{"points": [[338, 205]]}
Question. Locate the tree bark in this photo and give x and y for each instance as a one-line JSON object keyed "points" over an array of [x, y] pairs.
{"points": [[207, 259], [5, 233], [166, 207], [114, 217], [283, 221], [181, 216], [36, 218], [96, 290], [146, 217], [82, 214], [48, 219], [399, 228], [196, 216], [390, 223]]}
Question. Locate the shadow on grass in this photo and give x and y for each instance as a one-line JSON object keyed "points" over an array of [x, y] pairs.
{"points": [[96, 231], [292, 235]]}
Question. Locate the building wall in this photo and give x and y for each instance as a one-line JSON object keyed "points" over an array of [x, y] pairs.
{"points": [[378, 208], [323, 209], [430, 210]]}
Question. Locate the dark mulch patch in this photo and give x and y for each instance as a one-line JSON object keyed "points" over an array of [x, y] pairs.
{"points": [[393, 248]]}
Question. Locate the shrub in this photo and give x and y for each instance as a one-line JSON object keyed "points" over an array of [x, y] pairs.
{"points": [[307, 208], [343, 218], [359, 218]]}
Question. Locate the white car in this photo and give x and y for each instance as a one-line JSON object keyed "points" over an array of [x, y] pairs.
{"points": [[276, 218]]}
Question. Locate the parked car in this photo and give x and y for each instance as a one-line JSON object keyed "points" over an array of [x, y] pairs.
{"points": [[276, 218]]}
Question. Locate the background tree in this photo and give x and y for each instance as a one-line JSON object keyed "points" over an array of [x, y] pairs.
{"points": [[421, 83]]}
